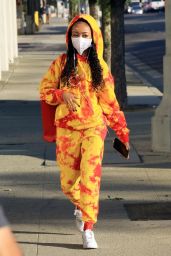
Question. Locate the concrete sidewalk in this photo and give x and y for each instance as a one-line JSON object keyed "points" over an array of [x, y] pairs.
{"points": [[41, 216]]}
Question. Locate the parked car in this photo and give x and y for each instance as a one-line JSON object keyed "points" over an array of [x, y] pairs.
{"points": [[153, 5], [129, 9], [133, 6], [137, 10]]}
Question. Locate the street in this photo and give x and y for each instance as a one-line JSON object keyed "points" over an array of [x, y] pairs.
{"points": [[145, 39]]}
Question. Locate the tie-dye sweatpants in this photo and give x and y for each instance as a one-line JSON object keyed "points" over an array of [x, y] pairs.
{"points": [[79, 156]]}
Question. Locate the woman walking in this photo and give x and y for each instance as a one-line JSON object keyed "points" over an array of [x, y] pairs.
{"points": [[81, 87]]}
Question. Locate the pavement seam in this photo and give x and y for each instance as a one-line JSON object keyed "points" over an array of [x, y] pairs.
{"points": [[152, 185]]}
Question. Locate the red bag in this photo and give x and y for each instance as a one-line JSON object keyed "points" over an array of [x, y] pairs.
{"points": [[48, 116], [48, 121]]}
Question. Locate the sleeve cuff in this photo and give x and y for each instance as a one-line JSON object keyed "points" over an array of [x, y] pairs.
{"points": [[123, 135], [124, 138], [59, 95]]}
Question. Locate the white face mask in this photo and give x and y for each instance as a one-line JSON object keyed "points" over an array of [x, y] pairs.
{"points": [[81, 44]]}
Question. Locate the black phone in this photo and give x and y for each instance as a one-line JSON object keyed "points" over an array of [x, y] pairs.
{"points": [[121, 148]]}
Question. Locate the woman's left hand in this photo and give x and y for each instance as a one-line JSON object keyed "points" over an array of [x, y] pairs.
{"points": [[127, 145]]}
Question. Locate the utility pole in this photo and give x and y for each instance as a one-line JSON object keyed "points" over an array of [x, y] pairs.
{"points": [[161, 122]]}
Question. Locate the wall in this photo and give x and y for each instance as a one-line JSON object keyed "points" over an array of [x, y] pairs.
{"points": [[8, 28]]}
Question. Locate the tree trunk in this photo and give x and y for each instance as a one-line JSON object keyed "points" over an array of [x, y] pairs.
{"points": [[106, 30], [118, 50], [73, 9], [93, 4]]}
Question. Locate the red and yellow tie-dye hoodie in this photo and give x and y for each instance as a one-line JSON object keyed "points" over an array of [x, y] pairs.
{"points": [[96, 107]]}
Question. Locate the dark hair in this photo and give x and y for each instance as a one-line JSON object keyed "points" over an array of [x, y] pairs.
{"points": [[71, 63]]}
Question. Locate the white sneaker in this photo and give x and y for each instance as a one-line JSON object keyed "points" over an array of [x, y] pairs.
{"points": [[78, 220], [89, 241]]}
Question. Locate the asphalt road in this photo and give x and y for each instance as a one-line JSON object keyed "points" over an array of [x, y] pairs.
{"points": [[145, 38]]}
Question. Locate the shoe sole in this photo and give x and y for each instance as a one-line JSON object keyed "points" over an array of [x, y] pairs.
{"points": [[84, 247]]}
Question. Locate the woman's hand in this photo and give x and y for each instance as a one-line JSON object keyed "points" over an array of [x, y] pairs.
{"points": [[127, 145], [70, 100]]}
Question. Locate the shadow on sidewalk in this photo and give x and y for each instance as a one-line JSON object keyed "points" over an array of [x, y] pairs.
{"points": [[51, 213], [21, 134], [60, 245], [42, 233], [39, 47], [59, 30]]}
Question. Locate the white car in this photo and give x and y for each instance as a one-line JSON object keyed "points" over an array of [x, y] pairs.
{"points": [[137, 10], [157, 4], [129, 9], [154, 5]]}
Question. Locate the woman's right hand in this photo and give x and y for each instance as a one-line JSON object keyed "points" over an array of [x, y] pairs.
{"points": [[70, 100]]}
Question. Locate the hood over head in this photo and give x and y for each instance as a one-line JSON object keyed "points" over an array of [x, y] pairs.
{"points": [[97, 35]]}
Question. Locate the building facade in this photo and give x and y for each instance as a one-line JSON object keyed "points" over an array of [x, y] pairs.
{"points": [[8, 28]]}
